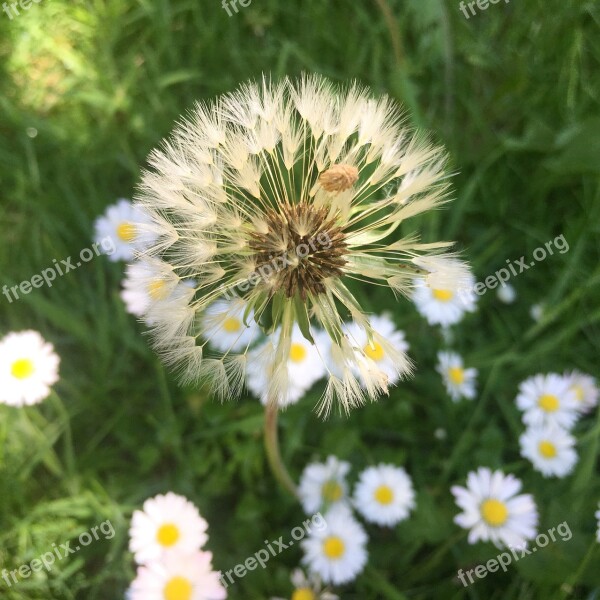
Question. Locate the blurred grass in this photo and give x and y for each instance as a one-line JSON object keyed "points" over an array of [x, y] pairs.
{"points": [[87, 88]]}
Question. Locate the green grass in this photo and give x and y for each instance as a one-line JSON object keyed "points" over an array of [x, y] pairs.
{"points": [[88, 88]]}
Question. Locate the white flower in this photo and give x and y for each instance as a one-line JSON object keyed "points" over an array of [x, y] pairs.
{"points": [[123, 224], [459, 382], [337, 551], [179, 576], [282, 193], [304, 366], [445, 305], [384, 495], [308, 588], [586, 390], [506, 293], [28, 368], [324, 485], [550, 449], [536, 312], [547, 399], [168, 523], [492, 510], [223, 325]]}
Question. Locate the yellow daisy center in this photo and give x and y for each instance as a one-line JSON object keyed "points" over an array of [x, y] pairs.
{"points": [[332, 491], [167, 535], [578, 392], [157, 289], [443, 295], [548, 402], [126, 231], [303, 594], [178, 588], [232, 324], [374, 351], [333, 547], [456, 375], [494, 512], [22, 368], [384, 494], [297, 353], [547, 449]]}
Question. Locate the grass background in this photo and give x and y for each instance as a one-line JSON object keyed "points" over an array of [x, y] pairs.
{"points": [[87, 88]]}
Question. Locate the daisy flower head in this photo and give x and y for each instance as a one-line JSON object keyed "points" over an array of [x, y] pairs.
{"points": [[178, 576], [28, 368], [384, 495], [446, 294], [281, 193], [167, 524], [506, 293], [304, 366], [337, 552], [123, 224], [550, 449], [308, 587], [546, 399], [324, 485], [459, 382], [493, 511], [585, 389]]}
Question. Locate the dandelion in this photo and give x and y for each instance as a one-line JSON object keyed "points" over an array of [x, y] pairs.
{"points": [[384, 495], [337, 552], [459, 382], [282, 194], [28, 368], [585, 389], [308, 588], [324, 484], [550, 449], [493, 511], [167, 524]]}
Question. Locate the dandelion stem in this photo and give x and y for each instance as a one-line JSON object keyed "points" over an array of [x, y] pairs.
{"points": [[273, 452]]}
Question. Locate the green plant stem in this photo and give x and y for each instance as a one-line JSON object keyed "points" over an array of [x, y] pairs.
{"points": [[273, 452]]}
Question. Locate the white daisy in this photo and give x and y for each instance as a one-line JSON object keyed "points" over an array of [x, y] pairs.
{"points": [[179, 576], [384, 495], [444, 305], [324, 485], [28, 368], [459, 382], [304, 366], [492, 510], [168, 523], [223, 325], [123, 224], [585, 388], [336, 552], [548, 399], [550, 449], [506, 293], [308, 587]]}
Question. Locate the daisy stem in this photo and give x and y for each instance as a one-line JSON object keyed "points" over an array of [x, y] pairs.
{"points": [[273, 451]]}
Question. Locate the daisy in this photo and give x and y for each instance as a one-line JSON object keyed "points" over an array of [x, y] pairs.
{"points": [[282, 193], [324, 485], [506, 293], [547, 399], [223, 324], [308, 588], [384, 495], [550, 449], [459, 382], [122, 223], [585, 388], [336, 552], [28, 368], [492, 510], [304, 367], [167, 524], [179, 576]]}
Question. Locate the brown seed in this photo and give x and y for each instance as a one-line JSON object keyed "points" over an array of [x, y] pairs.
{"points": [[338, 178]]}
